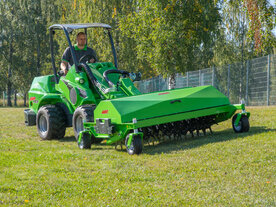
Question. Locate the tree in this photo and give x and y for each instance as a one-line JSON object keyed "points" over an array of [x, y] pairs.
{"points": [[172, 35], [261, 17], [25, 51], [34, 21], [245, 32], [10, 35]]}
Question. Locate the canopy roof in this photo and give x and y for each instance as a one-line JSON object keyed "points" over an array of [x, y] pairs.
{"points": [[71, 27]]}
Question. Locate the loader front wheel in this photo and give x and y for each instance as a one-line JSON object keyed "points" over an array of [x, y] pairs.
{"points": [[51, 122], [82, 114], [136, 145], [243, 125]]}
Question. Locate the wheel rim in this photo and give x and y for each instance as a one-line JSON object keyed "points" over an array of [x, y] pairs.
{"points": [[130, 149], [43, 124], [81, 144], [79, 124], [238, 127]]}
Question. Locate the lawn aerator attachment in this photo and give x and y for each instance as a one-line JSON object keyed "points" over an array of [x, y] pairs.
{"points": [[102, 103]]}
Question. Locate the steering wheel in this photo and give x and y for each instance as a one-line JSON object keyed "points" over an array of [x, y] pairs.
{"points": [[87, 57], [110, 83], [132, 76]]}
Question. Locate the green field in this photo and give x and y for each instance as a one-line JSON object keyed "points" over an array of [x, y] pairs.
{"points": [[222, 169]]}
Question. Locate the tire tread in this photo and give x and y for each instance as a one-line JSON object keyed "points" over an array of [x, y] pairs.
{"points": [[57, 122]]}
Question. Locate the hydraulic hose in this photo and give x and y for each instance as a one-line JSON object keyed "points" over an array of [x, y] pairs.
{"points": [[91, 77], [105, 75]]}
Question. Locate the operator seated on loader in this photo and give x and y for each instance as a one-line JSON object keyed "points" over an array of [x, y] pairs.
{"points": [[81, 50]]}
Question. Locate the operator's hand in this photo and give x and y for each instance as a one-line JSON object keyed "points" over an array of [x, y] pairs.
{"points": [[92, 60], [65, 72], [63, 67]]}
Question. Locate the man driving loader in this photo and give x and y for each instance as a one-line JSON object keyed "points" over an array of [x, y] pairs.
{"points": [[82, 52]]}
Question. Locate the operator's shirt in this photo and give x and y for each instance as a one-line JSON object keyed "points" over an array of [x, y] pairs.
{"points": [[67, 56]]}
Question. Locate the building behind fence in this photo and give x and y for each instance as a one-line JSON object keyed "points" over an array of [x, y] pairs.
{"points": [[254, 81]]}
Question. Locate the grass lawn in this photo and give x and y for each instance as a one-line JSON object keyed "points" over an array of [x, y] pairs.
{"points": [[222, 169]]}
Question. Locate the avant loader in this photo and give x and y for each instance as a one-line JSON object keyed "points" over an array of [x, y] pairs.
{"points": [[102, 104]]}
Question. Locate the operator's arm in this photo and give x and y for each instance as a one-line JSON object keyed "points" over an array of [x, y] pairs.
{"points": [[65, 60], [92, 53], [92, 60], [63, 66]]}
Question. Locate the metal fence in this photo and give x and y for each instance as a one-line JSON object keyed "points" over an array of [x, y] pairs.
{"points": [[254, 81]]}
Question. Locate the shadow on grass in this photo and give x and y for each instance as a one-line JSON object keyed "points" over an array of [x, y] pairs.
{"points": [[94, 146], [68, 139], [189, 142]]}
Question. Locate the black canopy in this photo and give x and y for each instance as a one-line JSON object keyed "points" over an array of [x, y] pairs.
{"points": [[68, 28], [71, 27]]}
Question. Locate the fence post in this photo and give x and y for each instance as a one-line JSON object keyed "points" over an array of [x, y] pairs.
{"points": [[199, 78], [213, 76], [187, 75], [155, 84], [247, 82], [159, 82], [228, 81], [268, 79], [3, 98], [176, 80]]}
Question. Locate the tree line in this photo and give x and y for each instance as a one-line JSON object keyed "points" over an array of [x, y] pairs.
{"points": [[151, 36]]}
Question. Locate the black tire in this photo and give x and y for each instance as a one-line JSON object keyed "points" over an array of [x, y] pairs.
{"points": [[82, 114], [51, 122], [136, 145], [85, 142], [243, 125]]}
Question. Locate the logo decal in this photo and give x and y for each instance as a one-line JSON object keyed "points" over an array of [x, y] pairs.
{"points": [[104, 111], [163, 93]]}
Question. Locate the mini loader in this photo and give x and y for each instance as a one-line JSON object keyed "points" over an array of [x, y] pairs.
{"points": [[101, 103]]}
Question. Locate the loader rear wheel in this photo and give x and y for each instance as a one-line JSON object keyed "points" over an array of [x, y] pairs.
{"points": [[85, 142], [243, 125], [51, 122], [136, 145], [82, 114]]}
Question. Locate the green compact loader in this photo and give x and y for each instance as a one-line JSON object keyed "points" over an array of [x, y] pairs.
{"points": [[102, 104]]}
